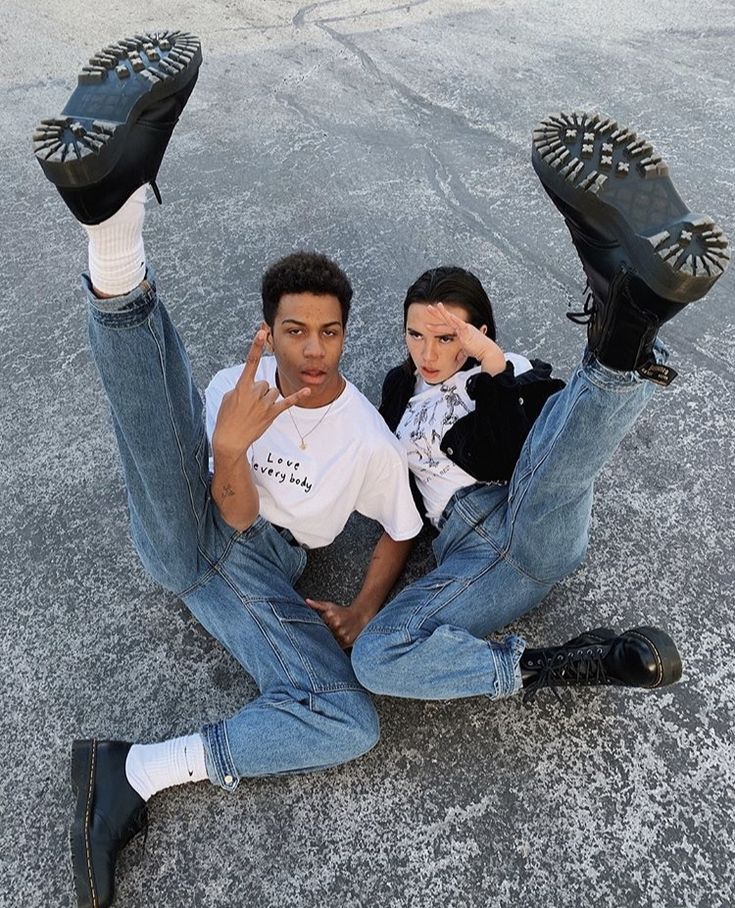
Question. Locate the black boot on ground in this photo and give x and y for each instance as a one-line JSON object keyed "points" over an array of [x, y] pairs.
{"points": [[108, 814], [645, 254], [642, 657], [111, 136]]}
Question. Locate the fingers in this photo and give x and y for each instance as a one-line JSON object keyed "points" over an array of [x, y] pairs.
{"points": [[319, 605], [332, 616], [449, 317], [316, 604], [292, 399], [251, 363], [440, 312]]}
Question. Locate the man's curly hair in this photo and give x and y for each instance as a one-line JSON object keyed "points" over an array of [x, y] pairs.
{"points": [[304, 272]]}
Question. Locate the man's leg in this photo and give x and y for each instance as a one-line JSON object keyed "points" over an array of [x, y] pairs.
{"points": [[311, 712]]}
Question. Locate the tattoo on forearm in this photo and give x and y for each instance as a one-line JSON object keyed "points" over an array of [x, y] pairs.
{"points": [[227, 491]]}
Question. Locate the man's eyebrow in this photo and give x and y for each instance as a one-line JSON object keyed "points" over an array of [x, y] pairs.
{"points": [[294, 321]]}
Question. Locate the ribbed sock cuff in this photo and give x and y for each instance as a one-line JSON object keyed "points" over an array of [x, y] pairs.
{"points": [[116, 250]]}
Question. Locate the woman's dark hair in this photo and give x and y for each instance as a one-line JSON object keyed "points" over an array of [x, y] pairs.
{"points": [[452, 284], [304, 272]]}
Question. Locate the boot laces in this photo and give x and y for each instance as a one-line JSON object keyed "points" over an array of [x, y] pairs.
{"points": [[588, 309], [583, 666]]}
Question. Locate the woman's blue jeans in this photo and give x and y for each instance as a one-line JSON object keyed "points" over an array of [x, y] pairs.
{"points": [[311, 712], [501, 549]]}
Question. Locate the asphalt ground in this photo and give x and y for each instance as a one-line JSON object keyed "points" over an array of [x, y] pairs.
{"points": [[393, 138]]}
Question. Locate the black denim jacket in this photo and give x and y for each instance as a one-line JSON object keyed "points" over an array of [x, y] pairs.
{"points": [[487, 442]]}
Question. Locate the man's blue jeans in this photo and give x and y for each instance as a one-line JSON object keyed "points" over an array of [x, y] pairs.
{"points": [[501, 549], [311, 712]]}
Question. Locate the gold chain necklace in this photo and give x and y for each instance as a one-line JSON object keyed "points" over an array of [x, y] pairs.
{"points": [[315, 427]]}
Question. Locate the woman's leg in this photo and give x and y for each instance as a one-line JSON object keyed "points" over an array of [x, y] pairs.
{"points": [[498, 558], [550, 493], [427, 643]]}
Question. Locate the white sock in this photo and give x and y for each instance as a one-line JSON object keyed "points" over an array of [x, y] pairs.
{"points": [[116, 251], [153, 767]]}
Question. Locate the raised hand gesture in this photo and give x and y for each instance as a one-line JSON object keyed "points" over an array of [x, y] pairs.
{"points": [[474, 342], [247, 411]]}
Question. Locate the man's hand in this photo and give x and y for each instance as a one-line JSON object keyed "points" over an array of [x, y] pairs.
{"points": [[344, 621], [247, 411], [475, 343]]}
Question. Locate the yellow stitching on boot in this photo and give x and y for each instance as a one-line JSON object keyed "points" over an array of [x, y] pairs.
{"points": [[86, 826]]}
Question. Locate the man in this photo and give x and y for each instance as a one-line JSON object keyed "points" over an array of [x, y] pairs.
{"points": [[296, 449], [231, 551]]}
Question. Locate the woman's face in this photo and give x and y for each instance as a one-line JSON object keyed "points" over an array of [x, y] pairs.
{"points": [[434, 348]]}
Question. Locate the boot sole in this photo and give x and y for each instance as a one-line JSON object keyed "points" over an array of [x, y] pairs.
{"points": [[83, 762], [620, 186], [667, 655], [80, 147]]}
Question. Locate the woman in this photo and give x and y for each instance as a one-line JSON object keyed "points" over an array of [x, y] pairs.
{"points": [[511, 508], [504, 459]]}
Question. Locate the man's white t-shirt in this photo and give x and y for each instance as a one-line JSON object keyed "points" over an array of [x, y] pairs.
{"points": [[431, 412], [352, 462]]}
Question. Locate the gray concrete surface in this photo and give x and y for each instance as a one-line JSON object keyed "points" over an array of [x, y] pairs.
{"points": [[394, 137]]}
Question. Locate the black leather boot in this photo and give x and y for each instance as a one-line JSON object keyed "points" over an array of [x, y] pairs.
{"points": [[111, 136], [645, 254], [596, 635], [641, 657], [108, 814]]}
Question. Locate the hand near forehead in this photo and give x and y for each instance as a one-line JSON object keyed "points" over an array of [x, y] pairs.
{"points": [[474, 342], [247, 411]]}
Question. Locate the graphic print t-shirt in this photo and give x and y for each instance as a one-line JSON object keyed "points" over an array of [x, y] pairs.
{"points": [[351, 463], [431, 412]]}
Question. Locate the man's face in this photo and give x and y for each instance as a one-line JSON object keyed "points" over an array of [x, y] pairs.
{"points": [[307, 338]]}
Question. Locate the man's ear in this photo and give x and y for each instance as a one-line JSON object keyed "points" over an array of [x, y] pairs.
{"points": [[264, 326], [483, 329]]}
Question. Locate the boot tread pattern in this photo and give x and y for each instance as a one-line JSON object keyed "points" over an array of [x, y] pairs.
{"points": [[587, 154], [155, 58]]}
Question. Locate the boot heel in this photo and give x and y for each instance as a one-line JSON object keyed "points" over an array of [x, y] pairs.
{"points": [[77, 150], [83, 755], [669, 660], [81, 762], [694, 250], [617, 186]]}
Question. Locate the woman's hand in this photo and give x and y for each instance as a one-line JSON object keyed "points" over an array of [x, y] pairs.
{"points": [[474, 342], [344, 621]]}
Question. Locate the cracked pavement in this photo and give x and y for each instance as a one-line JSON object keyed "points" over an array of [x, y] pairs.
{"points": [[393, 137]]}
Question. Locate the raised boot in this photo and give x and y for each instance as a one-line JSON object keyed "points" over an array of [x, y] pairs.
{"points": [[112, 134], [641, 657], [645, 254], [108, 814]]}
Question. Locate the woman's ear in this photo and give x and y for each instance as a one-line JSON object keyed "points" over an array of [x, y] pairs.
{"points": [[483, 329]]}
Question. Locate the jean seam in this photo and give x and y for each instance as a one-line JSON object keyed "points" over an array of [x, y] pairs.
{"points": [[216, 736], [134, 314], [200, 581], [527, 477], [461, 589], [172, 421], [315, 687]]}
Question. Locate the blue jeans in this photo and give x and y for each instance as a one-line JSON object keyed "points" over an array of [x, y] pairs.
{"points": [[311, 712], [501, 549]]}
